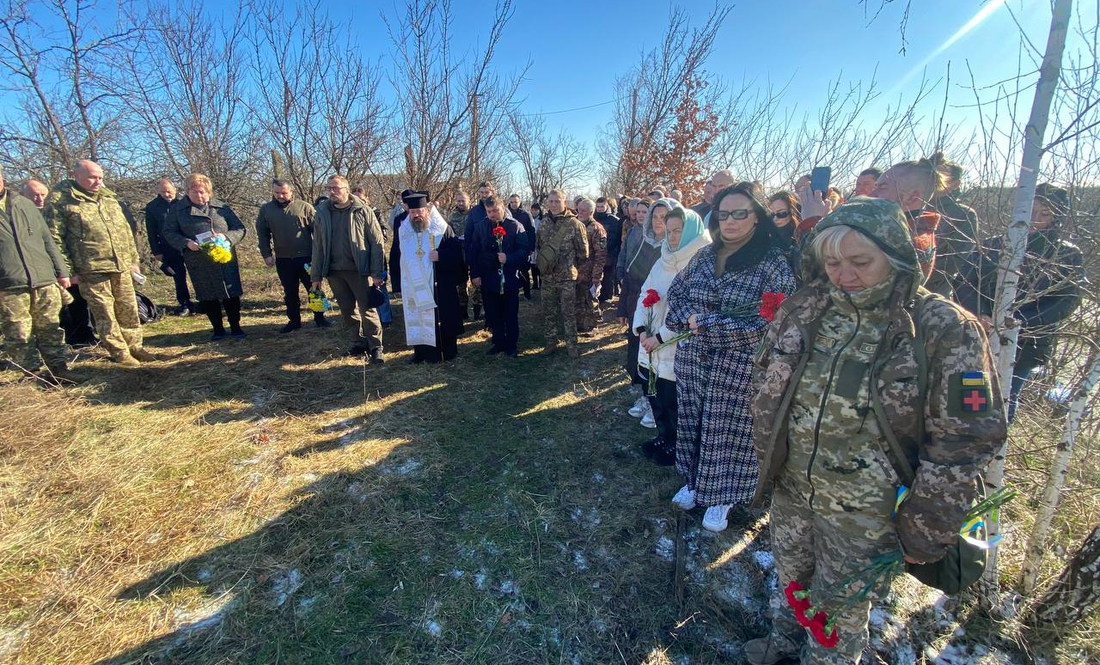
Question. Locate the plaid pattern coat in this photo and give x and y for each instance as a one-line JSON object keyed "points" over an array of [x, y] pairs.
{"points": [[714, 450]]}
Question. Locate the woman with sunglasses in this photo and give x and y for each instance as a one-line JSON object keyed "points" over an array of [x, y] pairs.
{"points": [[784, 207], [713, 367]]}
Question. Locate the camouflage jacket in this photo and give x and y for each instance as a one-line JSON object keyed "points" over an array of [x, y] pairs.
{"points": [[94, 232], [562, 247], [591, 271], [963, 419], [458, 223]]}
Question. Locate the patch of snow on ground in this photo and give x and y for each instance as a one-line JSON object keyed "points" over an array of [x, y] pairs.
{"points": [[304, 605], [351, 437], [207, 615], [10, 640], [952, 654], [284, 586], [666, 549], [764, 559], [597, 478], [434, 629], [509, 587], [408, 467], [338, 425], [479, 580], [457, 574], [579, 561], [589, 518]]}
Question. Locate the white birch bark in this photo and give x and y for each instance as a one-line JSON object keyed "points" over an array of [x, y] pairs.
{"points": [[1015, 238], [1057, 478]]}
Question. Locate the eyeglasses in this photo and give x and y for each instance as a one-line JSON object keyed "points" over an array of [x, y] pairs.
{"points": [[336, 188], [739, 214], [782, 214]]}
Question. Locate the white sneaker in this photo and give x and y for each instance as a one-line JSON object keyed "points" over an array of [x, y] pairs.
{"points": [[648, 421], [641, 405], [684, 499], [715, 518]]}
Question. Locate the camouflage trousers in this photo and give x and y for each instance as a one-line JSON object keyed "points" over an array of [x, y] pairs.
{"points": [[468, 294], [819, 549], [29, 321], [113, 303], [559, 306], [588, 313]]}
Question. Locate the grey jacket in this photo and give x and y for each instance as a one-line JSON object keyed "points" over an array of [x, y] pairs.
{"points": [[366, 239]]}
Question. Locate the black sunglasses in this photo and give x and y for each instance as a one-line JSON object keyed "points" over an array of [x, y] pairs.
{"points": [[782, 214], [739, 214]]}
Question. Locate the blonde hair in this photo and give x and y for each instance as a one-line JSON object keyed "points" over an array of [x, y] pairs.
{"points": [[200, 179], [826, 245]]}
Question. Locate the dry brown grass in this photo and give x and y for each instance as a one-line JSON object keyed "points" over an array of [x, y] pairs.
{"points": [[244, 503]]}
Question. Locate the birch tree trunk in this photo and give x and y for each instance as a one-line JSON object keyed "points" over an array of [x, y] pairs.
{"points": [[1057, 478], [1073, 595], [1015, 239]]}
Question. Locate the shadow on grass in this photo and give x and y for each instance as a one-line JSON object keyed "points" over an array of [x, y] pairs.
{"points": [[481, 537]]}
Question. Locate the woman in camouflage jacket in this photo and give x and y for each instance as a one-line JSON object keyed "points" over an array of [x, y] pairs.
{"points": [[836, 370]]}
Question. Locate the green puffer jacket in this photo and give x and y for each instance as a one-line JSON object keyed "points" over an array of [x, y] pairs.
{"points": [[29, 257], [95, 235]]}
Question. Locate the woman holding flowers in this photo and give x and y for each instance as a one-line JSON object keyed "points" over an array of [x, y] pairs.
{"points": [[206, 231], [861, 368], [685, 235], [717, 297]]}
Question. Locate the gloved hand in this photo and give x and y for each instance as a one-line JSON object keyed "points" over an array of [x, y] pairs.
{"points": [[594, 290]]}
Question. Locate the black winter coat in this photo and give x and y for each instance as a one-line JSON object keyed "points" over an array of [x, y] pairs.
{"points": [[212, 281], [517, 246], [1049, 289], [156, 211], [614, 227]]}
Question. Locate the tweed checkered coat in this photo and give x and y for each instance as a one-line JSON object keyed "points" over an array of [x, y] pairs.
{"points": [[714, 451]]}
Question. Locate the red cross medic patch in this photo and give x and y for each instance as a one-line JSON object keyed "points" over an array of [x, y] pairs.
{"points": [[968, 395]]}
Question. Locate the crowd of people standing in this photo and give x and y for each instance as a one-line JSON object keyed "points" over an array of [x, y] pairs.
{"points": [[795, 346]]}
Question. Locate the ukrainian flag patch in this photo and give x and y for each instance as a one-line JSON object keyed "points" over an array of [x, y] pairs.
{"points": [[973, 378]]}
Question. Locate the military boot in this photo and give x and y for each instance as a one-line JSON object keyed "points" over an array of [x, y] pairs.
{"points": [[125, 359], [770, 650]]}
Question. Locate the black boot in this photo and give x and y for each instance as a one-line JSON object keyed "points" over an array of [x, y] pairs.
{"points": [[664, 454], [477, 312]]}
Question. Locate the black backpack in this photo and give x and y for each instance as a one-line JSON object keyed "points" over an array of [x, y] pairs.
{"points": [[148, 311]]}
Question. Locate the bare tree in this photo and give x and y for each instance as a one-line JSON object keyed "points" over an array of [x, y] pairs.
{"points": [[315, 99], [68, 113], [547, 162], [451, 107], [649, 95]]}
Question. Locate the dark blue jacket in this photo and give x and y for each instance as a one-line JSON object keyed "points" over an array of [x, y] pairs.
{"points": [[474, 219], [516, 248]]}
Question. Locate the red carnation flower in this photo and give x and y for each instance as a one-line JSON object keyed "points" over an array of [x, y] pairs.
{"points": [[793, 591], [769, 304], [499, 231], [822, 631], [651, 298]]}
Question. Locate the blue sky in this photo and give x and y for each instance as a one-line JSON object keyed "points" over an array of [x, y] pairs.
{"points": [[579, 48]]}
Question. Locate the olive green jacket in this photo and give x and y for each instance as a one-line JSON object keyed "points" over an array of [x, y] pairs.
{"points": [[95, 235]]}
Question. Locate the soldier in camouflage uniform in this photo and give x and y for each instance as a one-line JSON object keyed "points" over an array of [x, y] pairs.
{"points": [[458, 225], [562, 249], [590, 273], [836, 371], [31, 268], [99, 244]]}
